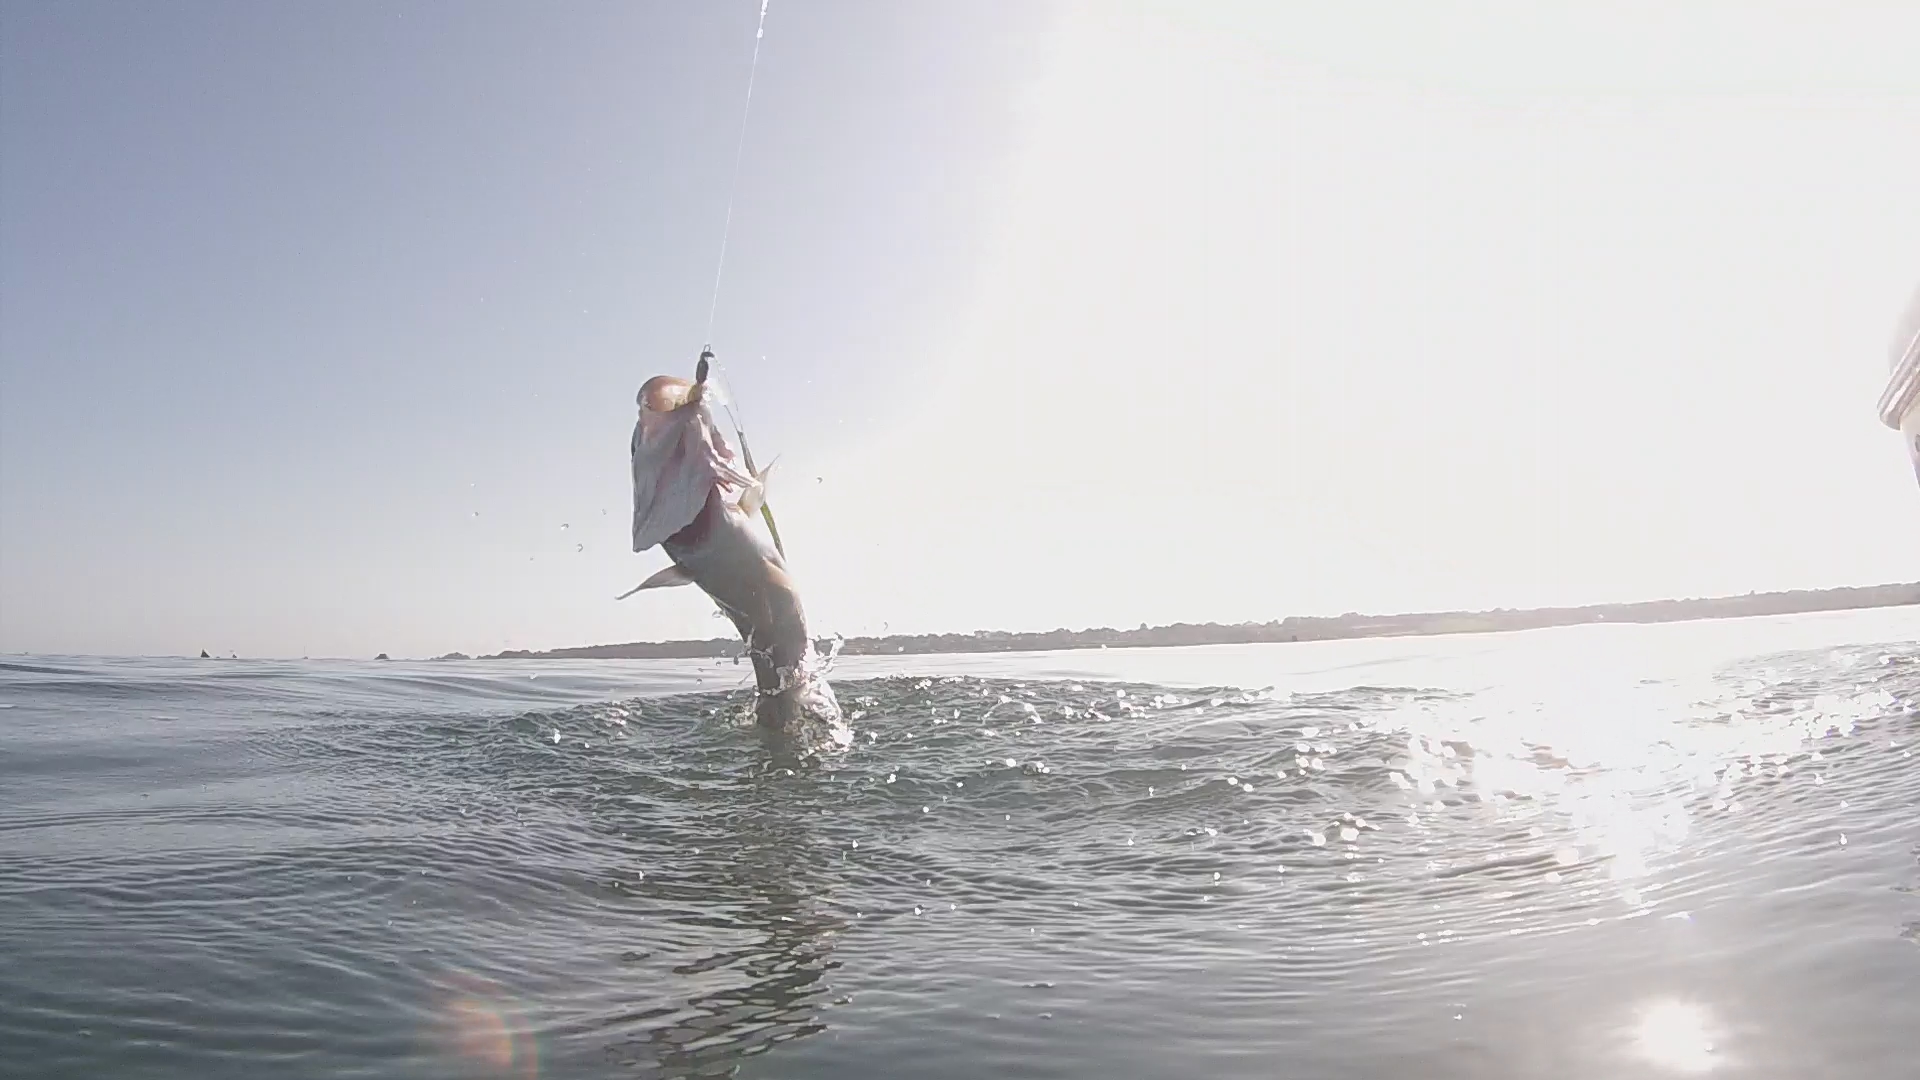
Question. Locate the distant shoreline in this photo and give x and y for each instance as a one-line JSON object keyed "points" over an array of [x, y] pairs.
{"points": [[1294, 629]]}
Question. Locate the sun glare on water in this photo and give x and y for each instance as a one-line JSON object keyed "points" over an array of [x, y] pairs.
{"points": [[1675, 1035]]}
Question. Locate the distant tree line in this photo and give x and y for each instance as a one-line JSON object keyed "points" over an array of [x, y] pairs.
{"points": [[1294, 628]]}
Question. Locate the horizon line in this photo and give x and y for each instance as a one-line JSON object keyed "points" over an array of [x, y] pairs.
{"points": [[1510, 612]]}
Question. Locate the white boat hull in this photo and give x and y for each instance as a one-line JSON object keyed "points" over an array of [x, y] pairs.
{"points": [[1911, 432], [1900, 402]]}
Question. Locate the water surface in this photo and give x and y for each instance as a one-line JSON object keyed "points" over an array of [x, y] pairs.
{"points": [[1603, 851]]}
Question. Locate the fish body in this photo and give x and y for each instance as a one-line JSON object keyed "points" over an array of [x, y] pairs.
{"points": [[696, 499]]}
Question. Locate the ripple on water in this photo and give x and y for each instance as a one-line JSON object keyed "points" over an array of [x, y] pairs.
{"points": [[998, 873]]}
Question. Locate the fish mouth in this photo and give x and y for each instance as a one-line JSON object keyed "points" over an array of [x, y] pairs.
{"points": [[679, 459]]}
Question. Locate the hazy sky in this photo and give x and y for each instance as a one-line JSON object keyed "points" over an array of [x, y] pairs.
{"points": [[320, 324]]}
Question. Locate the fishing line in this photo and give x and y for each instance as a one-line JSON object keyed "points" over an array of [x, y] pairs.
{"points": [[720, 268], [739, 149], [726, 230]]}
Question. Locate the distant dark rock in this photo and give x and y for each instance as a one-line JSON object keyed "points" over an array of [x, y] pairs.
{"points": [[454, 656], [383, 656], [204, 656]]}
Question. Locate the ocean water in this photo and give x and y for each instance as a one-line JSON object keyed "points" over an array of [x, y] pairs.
{"points": [[1602, 851]]}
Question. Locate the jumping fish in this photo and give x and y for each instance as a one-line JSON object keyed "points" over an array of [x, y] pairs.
{"points": [[696, 498]]}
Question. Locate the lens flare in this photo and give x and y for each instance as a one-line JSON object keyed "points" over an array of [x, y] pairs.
{"points": [[478, 1027]]}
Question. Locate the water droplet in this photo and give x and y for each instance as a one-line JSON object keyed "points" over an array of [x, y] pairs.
{"points": [[926, 810], [890, 778], [1317, 839], [1349, 834]]}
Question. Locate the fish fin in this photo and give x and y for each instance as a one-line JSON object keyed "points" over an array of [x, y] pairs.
{"points": [[665, 579], [755, 495], [754, 501], [773, 530]]}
